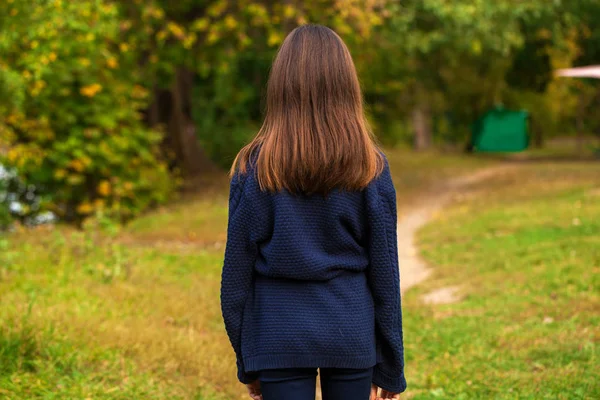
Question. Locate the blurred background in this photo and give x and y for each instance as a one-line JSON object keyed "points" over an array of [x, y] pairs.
{"points": [[119, 119]]}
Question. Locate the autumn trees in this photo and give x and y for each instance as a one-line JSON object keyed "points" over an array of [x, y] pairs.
{"points": [[104, 104]]}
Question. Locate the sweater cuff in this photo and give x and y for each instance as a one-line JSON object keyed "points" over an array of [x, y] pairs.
{"points": [[243, 376], [384, 381]]}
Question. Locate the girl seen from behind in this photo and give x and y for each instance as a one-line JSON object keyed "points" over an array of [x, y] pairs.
{"points": [[310, 277]]}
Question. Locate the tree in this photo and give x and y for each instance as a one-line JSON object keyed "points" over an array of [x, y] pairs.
{"points": [[70, 116], [450, 60]]}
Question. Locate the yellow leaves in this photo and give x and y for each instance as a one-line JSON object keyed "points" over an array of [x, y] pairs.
{"points": [[104, 188], [128, 186], [125, 25], [201, 24], [476, 46], [176, 30], [161, 35], [14, 12], [77, 165], [75, 179], [109, 9], [213, 37], [217, 8], [37, 87], [84, 62], [301, 20], [52, 56], [230, 22], [12, 119], [90, 90], [34, 44], [259, 14], [124, 47], [155, 12], [288, 11], [13, 154], [22, 154], [85, 208], [544, 33], [243, 40], [375, 19], [139, 92], [112, 63], [274, 38], [26, 74], [189, 40], [60, 173]]}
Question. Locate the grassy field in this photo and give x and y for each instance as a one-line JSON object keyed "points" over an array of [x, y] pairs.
{"points": [[133, 312], [524, 250]]}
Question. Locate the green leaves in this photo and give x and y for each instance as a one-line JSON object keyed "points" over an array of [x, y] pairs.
{"points": [[71, 110]]}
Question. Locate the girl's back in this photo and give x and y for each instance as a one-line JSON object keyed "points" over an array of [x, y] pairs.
{"points": [[310, 277]]}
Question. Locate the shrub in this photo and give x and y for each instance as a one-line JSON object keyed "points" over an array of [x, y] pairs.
{"points": [[71, 124]]}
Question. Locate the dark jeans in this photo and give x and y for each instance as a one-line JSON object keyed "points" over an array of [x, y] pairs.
{"points": [[300, 383]]}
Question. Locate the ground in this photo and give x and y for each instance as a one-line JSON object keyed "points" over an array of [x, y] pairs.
{"points": [[111, 313]]}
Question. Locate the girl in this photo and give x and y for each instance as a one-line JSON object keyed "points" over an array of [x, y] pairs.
{"points": [[310, 278]]}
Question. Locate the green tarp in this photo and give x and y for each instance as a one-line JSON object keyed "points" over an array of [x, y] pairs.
{"points": [[501, 130]]}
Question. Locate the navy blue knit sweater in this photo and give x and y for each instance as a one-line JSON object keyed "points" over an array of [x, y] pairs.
{"points": [[313, 281]]}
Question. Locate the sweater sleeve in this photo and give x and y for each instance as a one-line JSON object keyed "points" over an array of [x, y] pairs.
{"points": [[384, 280], [238, 267]]}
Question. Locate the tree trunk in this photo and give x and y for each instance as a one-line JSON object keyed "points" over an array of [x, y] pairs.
{"points": [[421, 120], [536, 133], [181, 129], [153, 117], [580, 124]]}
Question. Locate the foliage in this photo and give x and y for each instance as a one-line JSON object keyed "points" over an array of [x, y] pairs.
{"points": [[457, 59], [230, 45], [71, 110], [95, 93]]}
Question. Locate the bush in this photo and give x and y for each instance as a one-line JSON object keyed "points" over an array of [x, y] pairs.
{"points": [[72, 125]]}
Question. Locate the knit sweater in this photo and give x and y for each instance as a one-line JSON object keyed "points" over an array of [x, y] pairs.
{"points": [[313, 281]]}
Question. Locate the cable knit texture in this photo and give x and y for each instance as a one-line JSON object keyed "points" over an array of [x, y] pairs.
{"points": [[313, 281]]}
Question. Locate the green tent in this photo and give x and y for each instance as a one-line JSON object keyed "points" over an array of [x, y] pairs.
{"points": [[501, 130]]}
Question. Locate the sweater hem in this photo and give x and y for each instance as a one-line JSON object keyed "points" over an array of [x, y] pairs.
{"points": [[274, 361]]}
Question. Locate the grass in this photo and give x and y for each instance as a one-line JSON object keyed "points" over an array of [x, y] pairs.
{"points": [[154, 310], [133, 312], [41, 364], [524, 250]]}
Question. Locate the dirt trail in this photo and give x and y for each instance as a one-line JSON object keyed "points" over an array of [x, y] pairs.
{"points": [[413, 269]]}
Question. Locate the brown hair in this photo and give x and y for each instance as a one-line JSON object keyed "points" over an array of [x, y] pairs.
{"points": [[315, 136]]}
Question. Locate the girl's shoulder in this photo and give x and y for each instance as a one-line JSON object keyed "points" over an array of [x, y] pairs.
{"points": [[383, 181]]}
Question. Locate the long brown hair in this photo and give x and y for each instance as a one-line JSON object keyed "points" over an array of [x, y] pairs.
{"points": [[315, 136]]}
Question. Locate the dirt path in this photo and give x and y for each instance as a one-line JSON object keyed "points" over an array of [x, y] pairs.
{"points": [[413, 269]]}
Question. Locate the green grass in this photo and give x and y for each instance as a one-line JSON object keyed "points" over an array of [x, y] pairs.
{"points": [[151, 313], [134, 312], [525, 253], [41, 364]]}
